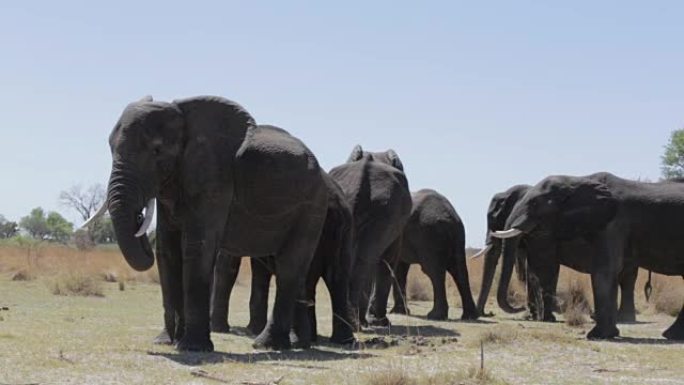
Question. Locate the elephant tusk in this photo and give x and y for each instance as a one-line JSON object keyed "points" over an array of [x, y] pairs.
{"points": [[481, 252], [100, 212], [506, 234], [149, 214]]}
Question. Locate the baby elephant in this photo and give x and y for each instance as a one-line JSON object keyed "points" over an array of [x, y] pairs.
{"points": [[435, 238]]}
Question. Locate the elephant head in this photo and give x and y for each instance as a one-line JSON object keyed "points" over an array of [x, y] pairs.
{"points": [[500, 208], [388, 157], [150, 144], [563, 207]]}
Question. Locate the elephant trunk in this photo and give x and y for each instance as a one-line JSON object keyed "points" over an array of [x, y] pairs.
{"points": [[126, 201], [491, 260], [509, 251]]}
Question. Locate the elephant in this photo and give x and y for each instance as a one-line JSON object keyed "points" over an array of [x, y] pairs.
{"points": [[220, 182], [566, 250], [332, 261], [434, 237], [627, 223], [376, 188]]}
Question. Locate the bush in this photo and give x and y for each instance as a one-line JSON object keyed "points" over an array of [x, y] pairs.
{"points": [[575, 303], [23, 275], [77, 284]]}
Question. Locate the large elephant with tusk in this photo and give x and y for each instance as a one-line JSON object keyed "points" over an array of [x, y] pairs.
{"points": [[221, 182], [541, 293], [625, 222]]}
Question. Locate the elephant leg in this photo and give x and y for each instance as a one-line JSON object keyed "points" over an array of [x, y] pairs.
{"points": [[399, 289], [549, 282], [262, 270], [440, 306], [606, 268], [291, 266], [199, 255], [627, 310], [459, 273], [377, 311], [337, 283], [225, 273], [170, 266], [676, 331]]}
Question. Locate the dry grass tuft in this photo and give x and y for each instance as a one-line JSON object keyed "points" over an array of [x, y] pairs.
{"points": [[418, 285], [23, 275], [77, 284], [666, 299], [499, 336], [574, 303], [398, 375]]}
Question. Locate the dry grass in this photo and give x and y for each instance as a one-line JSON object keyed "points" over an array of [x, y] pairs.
{"points": [[76, 284], [666, 299], [499, 335], [395, 374], [23, 275], [574, 303], [418, 285]]}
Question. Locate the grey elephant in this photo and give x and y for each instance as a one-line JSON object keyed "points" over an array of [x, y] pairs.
{"points": [[332, 262], [434, 237], [565, 251], [627, 223], [377, 191], [220, 182]]}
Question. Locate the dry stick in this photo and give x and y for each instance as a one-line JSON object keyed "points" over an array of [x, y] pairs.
{"points": [[403, 298], [481, 355], [204, 374]]}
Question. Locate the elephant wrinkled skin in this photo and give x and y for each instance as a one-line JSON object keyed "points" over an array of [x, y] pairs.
{"points": [[220, 182], [332, 261], [434, 238], [566, 252], [627, 222], [377, 191]]}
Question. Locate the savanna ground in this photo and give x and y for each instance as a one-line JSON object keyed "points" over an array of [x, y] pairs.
{"points": [[83, 317]]}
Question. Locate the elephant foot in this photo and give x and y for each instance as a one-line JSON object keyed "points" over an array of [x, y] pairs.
{"points": [[220, 327], [626, 317], [598, 333], [470, 315], [195, 343], [342, 337], [379, 321], [299, 342], [400, 310], [549, 318], [437, 314], [163, 338], [674, 333], [270, 339]]}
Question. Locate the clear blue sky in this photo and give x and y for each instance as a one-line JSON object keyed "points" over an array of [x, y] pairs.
{"points": [[473, 97]]}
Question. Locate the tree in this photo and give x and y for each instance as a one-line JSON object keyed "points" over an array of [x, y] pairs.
{"points": [[35, 224], [673, 159], [52, 227], [84, 202], [59, 229], [8, 229]]}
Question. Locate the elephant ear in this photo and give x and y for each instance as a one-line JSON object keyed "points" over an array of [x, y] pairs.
{"points": [[394, 160], [356, 154], [588, 208]]}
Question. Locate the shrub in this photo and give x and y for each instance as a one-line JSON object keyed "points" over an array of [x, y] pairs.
{"points": [[23, 275], [77, 284], [575, 303]]}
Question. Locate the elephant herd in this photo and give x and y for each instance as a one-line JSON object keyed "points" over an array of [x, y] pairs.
{"points": [[227, 187]]}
